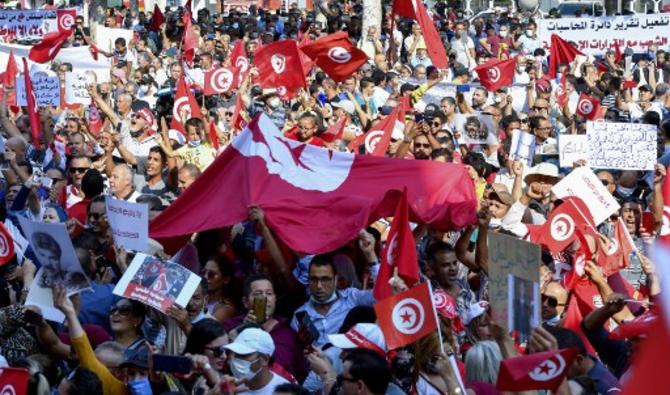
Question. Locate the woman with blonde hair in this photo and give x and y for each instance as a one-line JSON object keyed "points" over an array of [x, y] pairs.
{"points": [[432, 371]]}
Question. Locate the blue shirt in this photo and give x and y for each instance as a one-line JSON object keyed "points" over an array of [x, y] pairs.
{"points": [[95, 305], [331, 322], [603, 379]]}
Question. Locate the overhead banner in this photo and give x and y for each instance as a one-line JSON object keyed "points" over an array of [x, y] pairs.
{"points": [[594, 36], [27, 25]]}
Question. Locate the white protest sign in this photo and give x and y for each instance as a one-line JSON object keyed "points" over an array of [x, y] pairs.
{"points": [[523, 147], [156, 283], [519, 95], [75, 87], [624, 146], [571, 148], [43, 298], [584, 184], [79, 57], [129, 223], [46, 88], [435, 94], [27, 24], [105, 37], [594, 36]]}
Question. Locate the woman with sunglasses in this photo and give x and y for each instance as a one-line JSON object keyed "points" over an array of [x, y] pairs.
{"points": [[204, 346], [222, 292]]}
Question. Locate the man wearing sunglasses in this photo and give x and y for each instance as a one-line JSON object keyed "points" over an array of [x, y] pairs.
{"points": [[554, 299], [78, 167]]}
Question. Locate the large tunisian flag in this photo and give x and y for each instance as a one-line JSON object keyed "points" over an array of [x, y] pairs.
{"points": [[314, 199]]}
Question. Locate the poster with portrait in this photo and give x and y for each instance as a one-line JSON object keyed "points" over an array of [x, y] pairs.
{"points": [[156, 283], [475, 129], [514, 278], [56, 256]]}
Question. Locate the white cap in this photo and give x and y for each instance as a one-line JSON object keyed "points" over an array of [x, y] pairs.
{"points": [[177, 136], [542, 169], [368, 336], [346, 105], [475, 310], [252, 340]]}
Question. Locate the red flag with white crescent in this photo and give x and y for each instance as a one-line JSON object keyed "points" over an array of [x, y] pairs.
{"points": [[218, 80], [378, 138], [414, 9], [184, 103], [335, 55], [48, 48], [305, 189], [562, 226], [399, 253], [240, 61], [496, 74], [66, 19], [33, 113], [279, 67], [14, 381], [539, 371], [588, 107], [334, 132], [406, 317], [561, 92]]}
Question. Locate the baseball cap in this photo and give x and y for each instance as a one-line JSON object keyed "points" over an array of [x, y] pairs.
{"points": [[368, 336], [121, 74], [543, 85], [475, 310], [177, 136], [501, 191], [461, 70], [646, 87], [252, 340], [147, 115], [137, 356], [346, 105]]}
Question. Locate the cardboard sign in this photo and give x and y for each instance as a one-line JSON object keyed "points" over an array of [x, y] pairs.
{"points": [[75, 87], [514, 278], [129, 223], [46, 88], [624, 146], [43, 298], [523, 147], [571, 148], [475, 129], [158, 284], [584, 184], [55, 253]]}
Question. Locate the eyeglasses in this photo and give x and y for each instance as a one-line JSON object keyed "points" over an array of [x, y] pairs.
{"points": [[229, 113], [122, 310], [341, 379], [322, 280], [420, 145], [436, 123], [95, 216], [80, 170]]}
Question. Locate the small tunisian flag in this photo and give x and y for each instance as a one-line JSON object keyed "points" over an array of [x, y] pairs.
{"points": [[588, 107], [66, 19], [561, 92], [496, 74], [219, 80], [279, 67], [14, 381], [307, 63], [650, 366], [378, 138], [664, 233], [48, 48], [336, 55], [33, 114], [213, 135], [406, 317], [540, 371], [183, 101], [617, 255], [309, 190], [190, 38], [9, 78], [416, 10], [334, 132], [239, 60], [561, 227], [561, 52], [399, 253], [157, 19]]}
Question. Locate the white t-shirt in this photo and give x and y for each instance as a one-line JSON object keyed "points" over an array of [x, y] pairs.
{"points": [[269, 388], [462, 51]]}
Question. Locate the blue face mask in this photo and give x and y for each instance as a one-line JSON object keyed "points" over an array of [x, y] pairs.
{"points": [[330, 300], [194, 144], [553, 321], [140, 387]]}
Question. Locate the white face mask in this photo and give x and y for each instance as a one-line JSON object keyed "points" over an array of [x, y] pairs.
{"points": [[529, 33], [503, 34], [241, 368]]}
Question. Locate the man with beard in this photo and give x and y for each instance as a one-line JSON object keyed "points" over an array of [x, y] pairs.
{"points": [[422, 148], [137, 137]]}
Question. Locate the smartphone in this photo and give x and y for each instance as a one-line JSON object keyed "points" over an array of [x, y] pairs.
{"points": [[33, 318], [307, 323], [418, 117], [463, 88], [260, 304], [172, 363]]}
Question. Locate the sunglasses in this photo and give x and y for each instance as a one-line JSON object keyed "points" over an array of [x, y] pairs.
{"points": [[122, 310], [605, 182], [230, 113], [216, 351], [95, 216], [551, 301], [80, 170], [419, 145]]}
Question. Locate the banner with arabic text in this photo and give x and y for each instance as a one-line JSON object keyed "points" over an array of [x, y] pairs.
{"points": [[26, 24], [594, 36]]}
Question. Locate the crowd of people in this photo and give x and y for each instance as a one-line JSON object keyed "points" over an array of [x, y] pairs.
{"points": [[268, 320]]}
